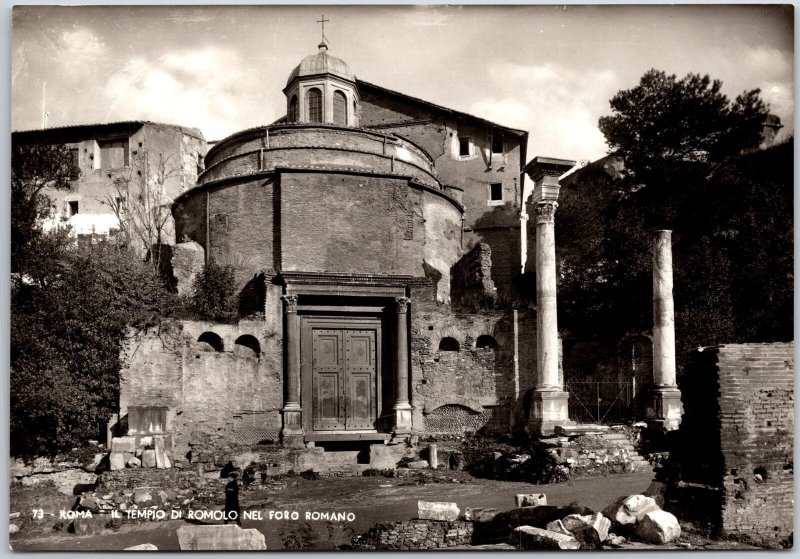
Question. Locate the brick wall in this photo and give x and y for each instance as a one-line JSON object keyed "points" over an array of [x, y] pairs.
{"points": [[737, 434], [472, 388], [474, 271], [416, 534], [233, 395]]}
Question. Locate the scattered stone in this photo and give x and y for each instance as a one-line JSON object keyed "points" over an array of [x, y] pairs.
{"points": [[530, 537], [13, 528], [558, 527], [127, 493], [613, 539], [530, 500], [14, 515], [89, 503], [590, 530], [162, 495], [500, 527], [427, 510], [167, 461], [116, 461], [141, 496], [142, 547], [187, 501], [657, 491], [627, 511], [119, 499], [123, 444], [658, 527], [149, 459], [107, 497], [418, 465], [134, 462], [220, 537], [92, 466], [479, 514]]}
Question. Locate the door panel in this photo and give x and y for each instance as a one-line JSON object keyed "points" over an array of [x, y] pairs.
{"points": [[328, 380], [344, 379]]}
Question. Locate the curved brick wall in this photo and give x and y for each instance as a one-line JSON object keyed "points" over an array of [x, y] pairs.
{"points": [[346, 213], [263, 149]]}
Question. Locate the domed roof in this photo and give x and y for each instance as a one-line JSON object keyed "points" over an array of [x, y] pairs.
{"points": [[321, 63]]}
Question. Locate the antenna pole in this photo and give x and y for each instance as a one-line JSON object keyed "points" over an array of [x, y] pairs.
{"points": [[44, 114]]}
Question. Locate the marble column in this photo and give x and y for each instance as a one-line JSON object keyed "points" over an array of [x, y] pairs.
{"points": [[292, 411], [666, 408], [402, 405], [549, 403]]}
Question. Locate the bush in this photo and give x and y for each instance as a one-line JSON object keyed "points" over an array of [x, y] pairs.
{"points": [[215, 293]]}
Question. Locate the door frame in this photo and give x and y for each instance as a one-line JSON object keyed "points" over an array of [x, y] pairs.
{"points": [[307, 324]]}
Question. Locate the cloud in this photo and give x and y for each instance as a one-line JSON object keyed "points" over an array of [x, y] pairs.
{"points": [[559, 106], [194, 87]]}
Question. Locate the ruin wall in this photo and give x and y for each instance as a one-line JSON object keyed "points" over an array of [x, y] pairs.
{"points": [[737, 434]]}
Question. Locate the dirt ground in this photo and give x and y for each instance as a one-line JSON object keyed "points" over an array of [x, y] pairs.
{"points": [[369, 499]]}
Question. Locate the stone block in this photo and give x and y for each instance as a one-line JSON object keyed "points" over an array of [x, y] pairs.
{"points": [[385, 457], [657, 491], [142, 547], [658, 527], [123, 444], [142, 496], [149, 459], [479, 514], [158, 447], [418, 465], [432, 510], [13, 529], [224, 537], [530, 537], [116, 461], [530, 499], [627, 511], [134, 462], [590, 530]]}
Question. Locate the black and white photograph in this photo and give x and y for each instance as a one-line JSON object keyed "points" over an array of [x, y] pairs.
{"points": [[400, 277]]}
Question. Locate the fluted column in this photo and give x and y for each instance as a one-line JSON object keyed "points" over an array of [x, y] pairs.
{"points": [[402, 405], [549, 408], [292, 411], [666, 409]]}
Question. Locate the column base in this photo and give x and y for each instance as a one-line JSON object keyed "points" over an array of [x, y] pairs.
{"points": [[402, 418], [665, 408], [548, 411], [292, 433]]}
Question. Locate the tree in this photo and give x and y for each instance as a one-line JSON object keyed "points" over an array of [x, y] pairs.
{"points": [[34, 169], [215, 293], [140, 204], [690, 166], [664, 121]]}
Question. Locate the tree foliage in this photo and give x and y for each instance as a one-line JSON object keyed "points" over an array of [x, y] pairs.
{"points": [[215, 293], [35, 169], [70, 307], [689, 166]]}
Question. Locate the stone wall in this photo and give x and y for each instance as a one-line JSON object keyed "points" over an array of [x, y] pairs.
{"points": [[416, 535], [473, 273], [737, 435], [470, 380], [233, 395]]}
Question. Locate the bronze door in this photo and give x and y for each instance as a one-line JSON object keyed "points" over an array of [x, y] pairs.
{"points": [[343, 379]]}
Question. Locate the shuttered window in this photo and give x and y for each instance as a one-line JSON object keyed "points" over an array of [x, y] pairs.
{"points": [[113, 154], [314, 104], [339, 109]]}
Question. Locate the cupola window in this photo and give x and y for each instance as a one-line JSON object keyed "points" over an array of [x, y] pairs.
{"points": [[314, 104], [293, 109], [339, 108]]}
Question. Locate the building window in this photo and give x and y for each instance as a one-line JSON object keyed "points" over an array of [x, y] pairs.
{"points": [[114, 154], [75, 161], [293, 109], [314, 104], [464, 147], [339, 109], [73, 207], [121, 204], [213, 340], [497, 143], [486, 342], [496, 192]]}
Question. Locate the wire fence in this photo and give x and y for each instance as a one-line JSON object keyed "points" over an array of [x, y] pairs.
{"points": [[600, 402]]}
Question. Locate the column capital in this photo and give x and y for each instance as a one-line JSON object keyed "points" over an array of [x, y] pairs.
{"points": [[402, 304], [291, 303], [546, 211]]}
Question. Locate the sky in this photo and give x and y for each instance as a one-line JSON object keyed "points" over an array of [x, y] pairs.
{"points": [[550, 70]]}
